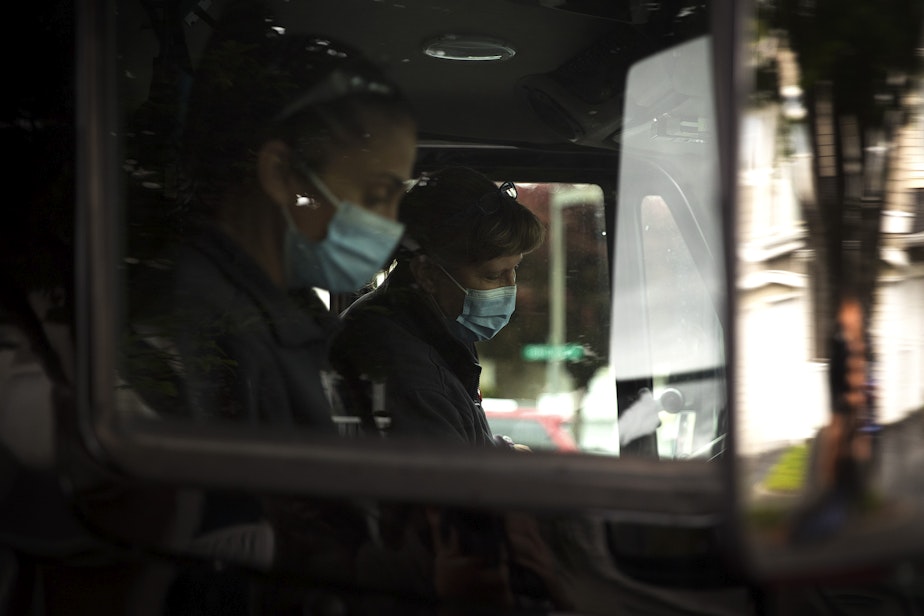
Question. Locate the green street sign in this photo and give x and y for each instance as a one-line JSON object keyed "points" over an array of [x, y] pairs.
{"points": [[547, 352]]}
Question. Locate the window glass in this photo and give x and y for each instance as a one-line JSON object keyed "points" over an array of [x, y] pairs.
{"points": [[530, 432], [558, 337], [687, 338], [667, 354], [251, 228]]}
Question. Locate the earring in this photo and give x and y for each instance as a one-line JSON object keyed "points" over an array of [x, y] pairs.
{"points": [[306, 201]]}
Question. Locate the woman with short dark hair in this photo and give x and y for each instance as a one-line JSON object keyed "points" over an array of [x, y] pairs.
{"points": [[407, 351]]}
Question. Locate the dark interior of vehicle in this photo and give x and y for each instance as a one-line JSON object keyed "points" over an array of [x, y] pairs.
{"points": [[555, 93], [525, 89], [522, 89], [556, 89]]}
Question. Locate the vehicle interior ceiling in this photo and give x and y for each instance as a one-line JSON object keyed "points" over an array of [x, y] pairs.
{"points": [[552, 112]]}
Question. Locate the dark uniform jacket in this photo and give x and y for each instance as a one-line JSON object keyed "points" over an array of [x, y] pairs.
{"points": [[396, 354], [250, 351]]}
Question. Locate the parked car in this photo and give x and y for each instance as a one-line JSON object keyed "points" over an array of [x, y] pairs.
{"points": [[527, 426]]}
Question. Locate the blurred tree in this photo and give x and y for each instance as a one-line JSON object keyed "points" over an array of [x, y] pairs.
{"points": [[856, 60]]}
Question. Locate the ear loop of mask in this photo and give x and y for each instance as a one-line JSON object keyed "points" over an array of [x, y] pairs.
{"points": [[454, 281], [429, 296], [453, 323], [303, 199], [290, 222], [323, 189]]}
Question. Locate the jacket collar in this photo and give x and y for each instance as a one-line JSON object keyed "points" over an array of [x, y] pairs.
{"points": [[295, 318], [419, 315]]}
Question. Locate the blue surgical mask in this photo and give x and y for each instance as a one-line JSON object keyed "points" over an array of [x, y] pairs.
{"points": [[357, 244], [485, 312]]}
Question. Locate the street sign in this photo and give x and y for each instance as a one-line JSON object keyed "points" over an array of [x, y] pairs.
{"points": [[547, 352]]}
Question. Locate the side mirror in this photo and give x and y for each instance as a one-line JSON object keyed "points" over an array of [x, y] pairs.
{"points": [[829, 338]]}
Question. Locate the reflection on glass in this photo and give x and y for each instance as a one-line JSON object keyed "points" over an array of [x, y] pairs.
{"points": [[687, 340], [830, 345], [435, 353], [667, 352]]}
